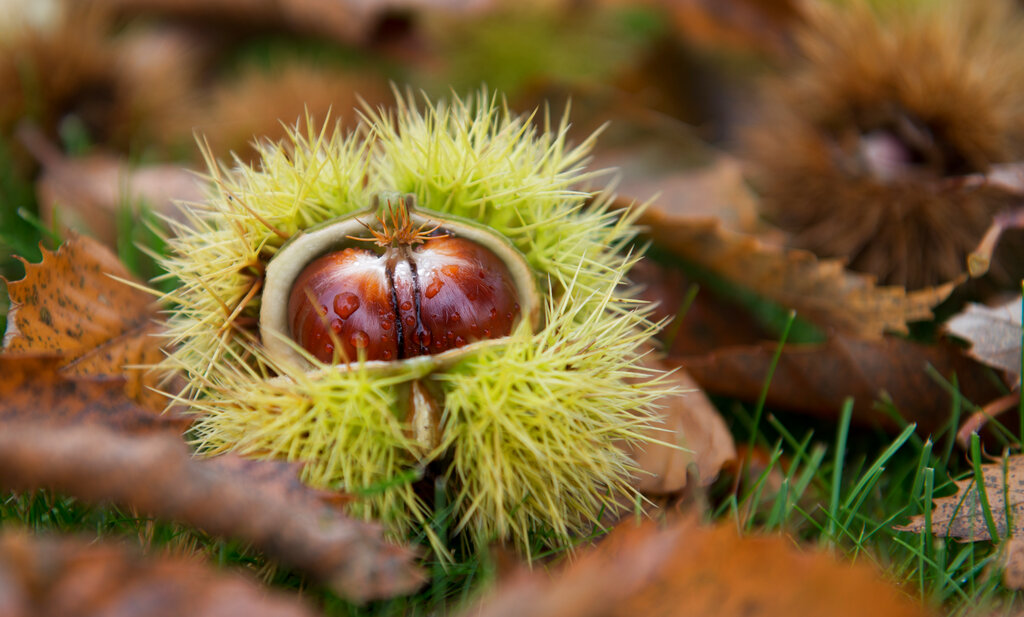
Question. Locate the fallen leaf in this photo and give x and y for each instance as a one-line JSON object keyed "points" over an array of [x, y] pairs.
{"points": [[687, 569], [760, 26], [994, 334], [820, 290], [960, 515], [981, 418], [815, 379], [158, 477], [261, 102], [70, 304], [716, 190], [87, 194], [86, 578], [707, 323], [692, 432], [35, 388], [1012, 558]]}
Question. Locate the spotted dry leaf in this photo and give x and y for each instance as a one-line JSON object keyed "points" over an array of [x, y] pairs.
{"points": [[960, 516], [72, 304], [34, 388]]}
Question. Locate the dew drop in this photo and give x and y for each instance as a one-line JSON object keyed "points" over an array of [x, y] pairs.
{"points": [[487, 332], [410, 320], [434, 287], [515, 307], [406, 306], [474, 328], [459, 341], [336, 325], [424, 337], [508, 316], [385, 325], [329, 349], [494, 312], [454, 318], [449, 335], [345, 304], [359, 339]]}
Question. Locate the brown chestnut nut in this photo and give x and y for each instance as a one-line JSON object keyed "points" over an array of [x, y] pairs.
{"points": [[394, 283], [408, 300]]}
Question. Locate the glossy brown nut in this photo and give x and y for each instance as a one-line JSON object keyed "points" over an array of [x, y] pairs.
{"points": [[404, 302]]}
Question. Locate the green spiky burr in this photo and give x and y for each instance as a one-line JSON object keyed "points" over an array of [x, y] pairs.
{"points": [[524, 429]]}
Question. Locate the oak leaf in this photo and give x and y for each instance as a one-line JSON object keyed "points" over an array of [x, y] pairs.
{"points": [[816, 379], [76, 577], [686, 569], [961, 516], [72, 304], [157, 476]]}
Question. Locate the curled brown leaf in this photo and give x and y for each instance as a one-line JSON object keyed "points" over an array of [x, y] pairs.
{"points": [[686, 569], [76, 577], [158, 477], [816, 379]]}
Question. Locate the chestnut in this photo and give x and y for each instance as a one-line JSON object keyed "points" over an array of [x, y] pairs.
{"points": [[406, 301], [400, 286]]}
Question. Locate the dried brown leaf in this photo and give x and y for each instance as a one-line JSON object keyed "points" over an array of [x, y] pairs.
{"points": [[69, 304], [1012, 559], [820, 290], [815, 379], [960, 516], [686, 569], [74, 577], [761, 26], [994, 334], [34, 388], [158, 477], [690, 423], [262, 101], [705, 324], [87, 194], [980, 259], [715, 190]]}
